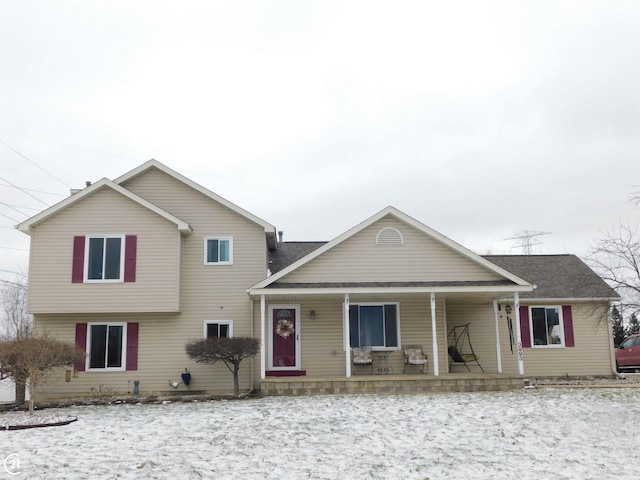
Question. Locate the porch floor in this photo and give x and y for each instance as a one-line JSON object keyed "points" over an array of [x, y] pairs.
{"points": [[391, 384]]}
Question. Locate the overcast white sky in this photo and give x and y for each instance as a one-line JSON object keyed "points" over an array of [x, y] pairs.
{"points": [[480, 119]]}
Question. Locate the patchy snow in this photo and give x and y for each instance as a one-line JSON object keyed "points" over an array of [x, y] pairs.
{"points": [[532, 434]]}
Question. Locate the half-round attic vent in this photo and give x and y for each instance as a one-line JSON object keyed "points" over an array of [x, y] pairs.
{"points": [[389, 236]]}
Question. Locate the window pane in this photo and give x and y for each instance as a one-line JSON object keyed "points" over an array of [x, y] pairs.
{"points": [[539, 325], [553, 326], [371, 326], [98, 346], [114, 353], [112, 260], [391, 325], [212, 251], [212, 330], [224, 250], [224, 330], [96, 254], [353, 326]]}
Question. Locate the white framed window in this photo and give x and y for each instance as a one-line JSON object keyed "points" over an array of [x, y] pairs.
{"points": [[218, 250], [106, 346], [375, 324], [218, 328], [104, 258], [547, 326]]}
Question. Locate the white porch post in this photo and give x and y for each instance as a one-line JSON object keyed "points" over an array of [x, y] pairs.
{"points": [[263, 353], [347, 334], [434, 334], [516, 307], [498, 350]]}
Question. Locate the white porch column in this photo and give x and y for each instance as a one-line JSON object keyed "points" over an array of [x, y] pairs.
{"points": [[347, 335], [516, 307], [498, 350], [263, 352], [434, 334]]}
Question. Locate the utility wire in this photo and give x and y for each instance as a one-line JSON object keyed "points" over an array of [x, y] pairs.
{"points": [[37, 191], [33, 163], [13, 208], [23, 191], [12, 219]]}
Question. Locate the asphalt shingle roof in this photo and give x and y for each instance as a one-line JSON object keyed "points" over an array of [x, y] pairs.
{"points": [[556, 276]]}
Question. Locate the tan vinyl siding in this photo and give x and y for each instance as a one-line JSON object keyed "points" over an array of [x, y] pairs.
{"points": [[105, 212], [591, 354], [209, 293], [161, 358], [360, 259]]}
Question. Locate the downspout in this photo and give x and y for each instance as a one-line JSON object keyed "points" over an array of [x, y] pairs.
{"points": [[253, 321]]}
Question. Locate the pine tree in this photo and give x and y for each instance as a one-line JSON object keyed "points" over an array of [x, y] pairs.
{"points": [[634, 326], [617, 326]]}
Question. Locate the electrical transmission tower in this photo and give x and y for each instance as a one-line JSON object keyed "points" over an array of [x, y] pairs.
{"points": [[526, 240]]}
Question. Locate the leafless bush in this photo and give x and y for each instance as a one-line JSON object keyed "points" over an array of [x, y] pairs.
{"points": [[230, 351], [32, 360]]}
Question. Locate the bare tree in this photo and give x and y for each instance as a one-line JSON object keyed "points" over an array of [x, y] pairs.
{"points": [[32, 360], [18, 324], [230, 351], [616, 257]]}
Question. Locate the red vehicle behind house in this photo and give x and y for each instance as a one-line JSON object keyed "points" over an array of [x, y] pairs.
{"points": [[628, 353]]}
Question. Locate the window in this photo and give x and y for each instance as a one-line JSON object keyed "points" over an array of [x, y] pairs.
{"points": [[375, 325], [546, 326], [218, 250], [105, 259], [106, 345], [218, 329]]}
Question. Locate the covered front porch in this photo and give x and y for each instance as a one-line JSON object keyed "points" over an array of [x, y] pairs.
{"points": [[308, 334]]}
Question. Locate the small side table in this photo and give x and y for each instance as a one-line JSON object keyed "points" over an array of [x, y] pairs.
{"points": [[382, 366]]}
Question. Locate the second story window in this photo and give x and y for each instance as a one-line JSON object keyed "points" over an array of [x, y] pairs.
{"points": [[218, 250], [105, 259]]}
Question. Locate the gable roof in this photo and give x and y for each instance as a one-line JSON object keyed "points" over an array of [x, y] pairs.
{"points": [[28, 224], [556, 276], [270, 230], [392, 211]]}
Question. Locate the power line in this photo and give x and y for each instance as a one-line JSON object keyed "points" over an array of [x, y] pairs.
{"points": [[23, 191], [526, 240], [14, 209], [37, 191], [12, 219], [34, 163]]}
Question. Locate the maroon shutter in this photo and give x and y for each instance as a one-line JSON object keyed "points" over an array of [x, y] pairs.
{"points": [[81, 342], [132, 346], [567, 317], [525, 330], [77, 270], [130, 247]]}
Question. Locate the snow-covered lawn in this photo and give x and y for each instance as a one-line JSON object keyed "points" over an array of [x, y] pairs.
{"points": [[536, 434]]}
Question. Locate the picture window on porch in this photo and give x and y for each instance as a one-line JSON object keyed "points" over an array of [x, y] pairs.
{"points": [[218, 329], [375, 325], [546, 326]]}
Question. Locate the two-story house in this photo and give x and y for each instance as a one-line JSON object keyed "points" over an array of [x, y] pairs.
{"points": [[131, 269]]}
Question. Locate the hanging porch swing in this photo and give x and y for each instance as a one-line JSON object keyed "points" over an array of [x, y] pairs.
{"points": [[460, 348]]}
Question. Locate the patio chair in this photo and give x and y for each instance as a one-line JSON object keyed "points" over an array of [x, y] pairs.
{"points": [[415, 357], [361, 357], [460, 348]]}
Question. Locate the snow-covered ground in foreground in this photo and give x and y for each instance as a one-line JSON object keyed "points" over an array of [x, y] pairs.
{"points": [[532, 434]]}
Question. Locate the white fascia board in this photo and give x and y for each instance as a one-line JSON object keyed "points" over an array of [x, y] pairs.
{"points": [[28, 224], [255, 291], [408, 220], [268, 228], [530, 300]]}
